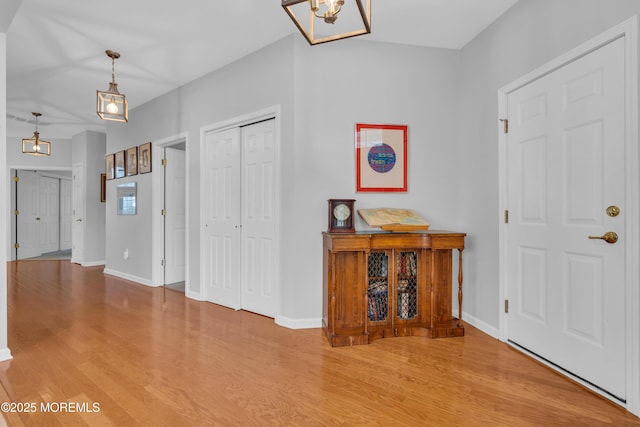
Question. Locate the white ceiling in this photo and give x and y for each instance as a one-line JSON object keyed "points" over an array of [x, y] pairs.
{"points": [[56, 59]]}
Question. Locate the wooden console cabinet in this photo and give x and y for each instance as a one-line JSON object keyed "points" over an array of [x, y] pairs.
{"points": [[378, 285]]}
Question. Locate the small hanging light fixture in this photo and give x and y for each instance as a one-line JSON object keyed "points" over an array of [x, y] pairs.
{"points": [[112, 105], [34, 145], [328, 10]]}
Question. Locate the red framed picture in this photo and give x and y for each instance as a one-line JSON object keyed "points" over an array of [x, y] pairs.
{"points": [[381, 158]]}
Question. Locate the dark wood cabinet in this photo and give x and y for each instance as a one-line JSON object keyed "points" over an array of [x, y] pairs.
{"points": [[379, 285]]}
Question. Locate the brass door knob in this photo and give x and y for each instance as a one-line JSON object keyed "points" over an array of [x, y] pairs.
{"points": [[609, 237]]}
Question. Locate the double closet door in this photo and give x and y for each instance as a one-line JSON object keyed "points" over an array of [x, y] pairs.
{"points": [[239, 251]]}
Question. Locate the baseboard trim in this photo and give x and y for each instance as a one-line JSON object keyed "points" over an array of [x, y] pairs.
{"points": [[479, 324], [287, 322], [129, 277], [5, 354], [194, 295], [92, 263]]}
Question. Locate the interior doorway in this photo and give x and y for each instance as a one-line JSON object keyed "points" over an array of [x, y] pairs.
{"points": [[41, 224], [170, 226]]}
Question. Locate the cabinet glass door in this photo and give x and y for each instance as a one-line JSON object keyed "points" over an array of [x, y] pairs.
{"points": [[407, 285], [378, 287]]}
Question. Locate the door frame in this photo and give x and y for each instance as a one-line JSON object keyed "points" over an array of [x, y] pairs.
{"points": [[629, 31], [157, 204], [11, 218], [272, 112]]}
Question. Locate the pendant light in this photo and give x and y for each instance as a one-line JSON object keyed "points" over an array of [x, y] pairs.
{"points": [[111, 104], [305, 14], [34, 145]]}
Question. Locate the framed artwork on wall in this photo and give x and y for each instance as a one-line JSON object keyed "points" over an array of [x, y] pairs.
{"points": [[381, 158], [103, 187], [144, 158], [109, 166], [119, 160], [131, 161]]}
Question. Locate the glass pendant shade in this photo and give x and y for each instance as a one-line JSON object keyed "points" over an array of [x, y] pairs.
{"points": [[322, 21], [34, 145], [111, 104]]}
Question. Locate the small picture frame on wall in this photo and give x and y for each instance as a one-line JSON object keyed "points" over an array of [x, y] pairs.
{"points": [[109, 166], [144, 158], [119, 164], [131, 161], [103, 187]]}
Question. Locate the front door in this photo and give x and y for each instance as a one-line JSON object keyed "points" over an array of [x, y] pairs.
{"points": [[566, 275]]}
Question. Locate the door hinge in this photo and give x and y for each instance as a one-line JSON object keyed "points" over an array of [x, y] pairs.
{"points": [[506, 216], [164, 162], [163, 212], [163, 262], [17, 245], [505, 124], [17, 212], [16, 179], [506, 306]]}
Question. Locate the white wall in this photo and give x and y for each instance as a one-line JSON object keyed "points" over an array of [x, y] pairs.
{"points": [[60, 158], [355, 81], [323, 92], [527, 36], [4, 194], [260, 80]]}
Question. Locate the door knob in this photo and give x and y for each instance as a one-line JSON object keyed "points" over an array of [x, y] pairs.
{"points": [[609, 237]]}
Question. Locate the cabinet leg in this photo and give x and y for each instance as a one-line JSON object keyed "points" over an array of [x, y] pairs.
{"points": [[460, 287]]}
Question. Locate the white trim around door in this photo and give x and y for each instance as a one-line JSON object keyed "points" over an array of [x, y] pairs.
{"points": [[272, 112]]}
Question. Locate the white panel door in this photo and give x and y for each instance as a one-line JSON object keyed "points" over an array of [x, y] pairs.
{"points": [[221, 234], [258, 218], [565, 168], [175, 221], [66, 209], [77, 232], [28, 223], [49, 214]]}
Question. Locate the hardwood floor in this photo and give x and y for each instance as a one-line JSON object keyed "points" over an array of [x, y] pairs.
{"points": [[148, 356]]}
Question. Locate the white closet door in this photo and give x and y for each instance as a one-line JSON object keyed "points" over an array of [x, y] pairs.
{"points": [[258, 218], [49, 214], [28, 223], [221, 234]]}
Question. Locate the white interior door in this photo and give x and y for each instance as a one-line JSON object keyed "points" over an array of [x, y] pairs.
{"points": [[49, 214], [28, 223], [258, 218], [175, 220], [221, 233], [66, 210], [77, 235], [565, 168]]}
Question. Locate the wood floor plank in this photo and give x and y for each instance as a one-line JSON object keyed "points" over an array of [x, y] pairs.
{"points": [[151, 357]]}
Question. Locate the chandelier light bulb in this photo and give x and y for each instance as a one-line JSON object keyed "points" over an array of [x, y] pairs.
{"points": [[112, 107]]}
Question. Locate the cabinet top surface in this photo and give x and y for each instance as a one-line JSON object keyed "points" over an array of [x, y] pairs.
{"points": [[395, 233]]}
